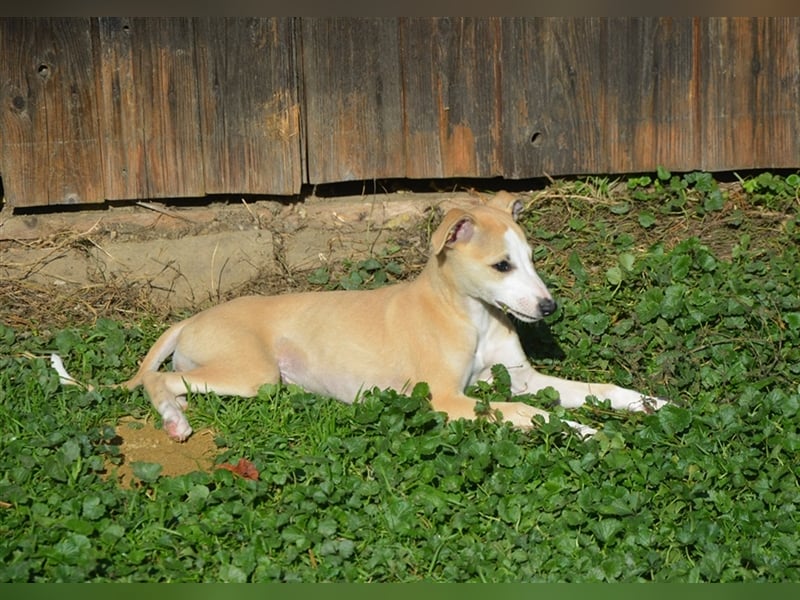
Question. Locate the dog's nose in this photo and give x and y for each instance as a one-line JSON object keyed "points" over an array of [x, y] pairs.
{"points": [[547, 306]]}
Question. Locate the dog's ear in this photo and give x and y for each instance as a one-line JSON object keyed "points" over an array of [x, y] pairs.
{"points": [[457, 226], [505, 201]]}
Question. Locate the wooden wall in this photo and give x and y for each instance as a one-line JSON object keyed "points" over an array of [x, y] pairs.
{"points": [[111, 108]]}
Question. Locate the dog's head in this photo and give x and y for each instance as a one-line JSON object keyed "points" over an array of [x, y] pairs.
{"points": [[490, 260]]}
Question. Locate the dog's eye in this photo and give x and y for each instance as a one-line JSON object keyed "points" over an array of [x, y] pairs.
{"points": [[503, 266]]}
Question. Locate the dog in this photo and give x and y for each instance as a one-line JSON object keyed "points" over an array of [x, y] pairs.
{"points": [[447, 327]]}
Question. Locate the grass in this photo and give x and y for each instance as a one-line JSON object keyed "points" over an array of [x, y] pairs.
{"points": [[678, 285]]}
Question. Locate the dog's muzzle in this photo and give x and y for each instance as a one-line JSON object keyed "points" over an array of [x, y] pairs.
{"points": [[547, 306]]}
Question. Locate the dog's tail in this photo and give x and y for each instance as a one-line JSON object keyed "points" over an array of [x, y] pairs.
{"points": [[161, 350]]}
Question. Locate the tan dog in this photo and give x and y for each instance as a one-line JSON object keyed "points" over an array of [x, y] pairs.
{"points": [[447, 327]]}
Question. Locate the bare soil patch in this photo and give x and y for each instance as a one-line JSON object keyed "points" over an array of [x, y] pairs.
{"points": [[140, 441]]}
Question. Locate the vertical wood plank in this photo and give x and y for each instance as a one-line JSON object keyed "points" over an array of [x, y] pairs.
{"points": [[750, 93], [353, 98], [125, 174], [451, 80], [249, 105], [552, 97], [651, 104], [49, 113], [150, 113]]}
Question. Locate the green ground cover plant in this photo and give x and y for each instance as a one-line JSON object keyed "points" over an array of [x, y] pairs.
{"points": [[674, 284]]}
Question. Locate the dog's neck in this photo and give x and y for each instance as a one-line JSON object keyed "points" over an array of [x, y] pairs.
{"points": [[443, 283]]}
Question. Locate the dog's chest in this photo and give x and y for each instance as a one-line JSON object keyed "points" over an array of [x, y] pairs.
{"points": [[496, 343]]}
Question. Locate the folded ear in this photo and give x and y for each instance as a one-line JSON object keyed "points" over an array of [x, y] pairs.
{"points": [[505, 201], [456, 226]]}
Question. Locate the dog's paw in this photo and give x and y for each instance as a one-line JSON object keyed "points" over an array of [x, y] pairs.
{"points": [[648, 404], [625, 399], [178, 431], [174, 421], [584, 431]]}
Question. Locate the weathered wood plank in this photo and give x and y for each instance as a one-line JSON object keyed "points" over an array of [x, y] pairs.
{"points": [[124, 170], [249, 106], [353, 98], [650, 103], [49, 121], [149, 99], [597, 95], [551, 97], [750, 93], [451, 77]]}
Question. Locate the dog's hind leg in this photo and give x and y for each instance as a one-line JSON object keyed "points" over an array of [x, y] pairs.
{"points": [[167, 390], [169, 400]]}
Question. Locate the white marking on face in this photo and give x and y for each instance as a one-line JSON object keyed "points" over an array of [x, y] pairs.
{"points": [[521, 290]]}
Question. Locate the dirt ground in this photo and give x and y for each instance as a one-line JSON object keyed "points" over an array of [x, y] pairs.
{"points": [[64, 268], [140, 441], [189, 257]]}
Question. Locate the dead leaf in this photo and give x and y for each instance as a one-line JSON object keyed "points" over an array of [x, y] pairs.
{"points": [[244, 468]]}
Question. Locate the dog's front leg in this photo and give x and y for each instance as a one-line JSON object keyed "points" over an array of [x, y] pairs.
{"points": [[518, 414], [573, 394], [506, 349]]}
